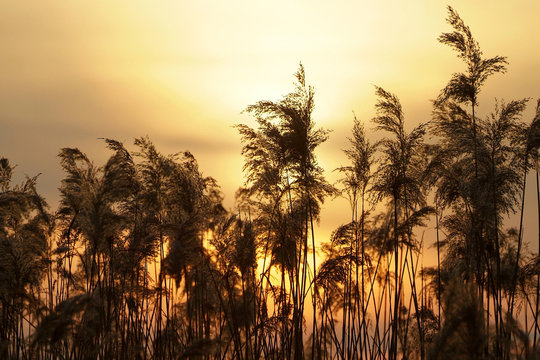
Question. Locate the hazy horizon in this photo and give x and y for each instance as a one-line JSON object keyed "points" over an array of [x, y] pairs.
{"points": [[183, 72]]}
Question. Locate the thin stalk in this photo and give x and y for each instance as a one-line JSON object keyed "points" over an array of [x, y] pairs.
{"points": [[537, 276]]}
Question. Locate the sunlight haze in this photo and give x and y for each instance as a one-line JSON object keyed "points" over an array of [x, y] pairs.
{"points": [[183, 71]]}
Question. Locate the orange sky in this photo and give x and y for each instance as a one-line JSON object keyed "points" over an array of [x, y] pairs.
{"points": [[182, 72]]}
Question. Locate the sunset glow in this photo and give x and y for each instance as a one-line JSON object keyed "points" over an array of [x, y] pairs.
{"points": [[184, 73]]}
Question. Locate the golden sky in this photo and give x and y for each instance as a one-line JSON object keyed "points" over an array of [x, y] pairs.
{"points": [[182, 71]]}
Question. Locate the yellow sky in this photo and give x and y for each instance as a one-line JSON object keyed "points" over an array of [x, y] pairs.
{"points": [[182, 71]]}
